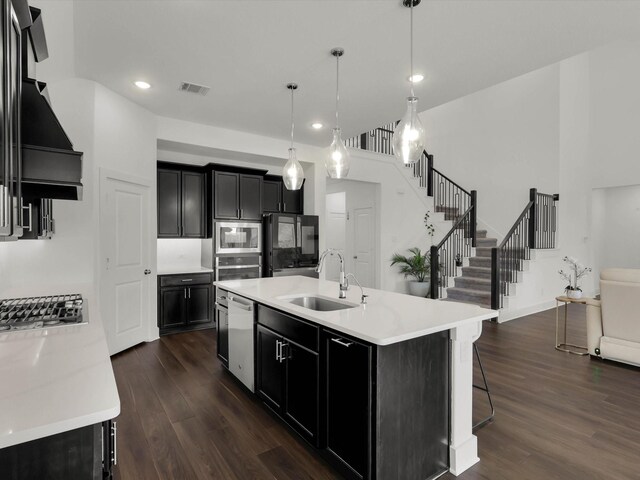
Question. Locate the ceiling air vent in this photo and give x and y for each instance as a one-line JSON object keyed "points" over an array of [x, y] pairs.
{"points": [[193, 88]]}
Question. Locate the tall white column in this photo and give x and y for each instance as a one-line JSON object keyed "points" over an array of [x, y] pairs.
{"points": [[464, 444]]}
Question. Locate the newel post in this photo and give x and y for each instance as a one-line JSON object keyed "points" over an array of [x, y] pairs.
{"points": [[429, 175], [495, 278], [474, 216], [533, 217], [435, 273]]}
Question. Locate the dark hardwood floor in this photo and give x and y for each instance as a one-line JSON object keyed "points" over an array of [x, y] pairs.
{"points": [[559, 416]]}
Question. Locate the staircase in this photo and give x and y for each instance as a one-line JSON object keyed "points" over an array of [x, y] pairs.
{"points": [[489, 270], [474, 285]]}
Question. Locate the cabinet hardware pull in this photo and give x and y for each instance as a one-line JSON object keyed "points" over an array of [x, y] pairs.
{"points": [[340, 341], [188, 280], [284, 207], [185, 293], [114, 428], [283, 345], [28, 208], [189, 292], [278, 350]]}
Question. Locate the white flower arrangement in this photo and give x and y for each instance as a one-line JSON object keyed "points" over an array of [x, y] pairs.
{"points": [[577, 272]]}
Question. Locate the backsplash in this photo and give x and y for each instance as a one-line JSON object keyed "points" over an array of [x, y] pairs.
{"points": [[179, 252]]}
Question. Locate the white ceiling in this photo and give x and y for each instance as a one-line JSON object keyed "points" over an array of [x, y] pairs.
{"points": [[247, 50]]}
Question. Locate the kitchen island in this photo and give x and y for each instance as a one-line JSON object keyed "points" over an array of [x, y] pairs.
{"points": [[383, 390], [58, 397]]}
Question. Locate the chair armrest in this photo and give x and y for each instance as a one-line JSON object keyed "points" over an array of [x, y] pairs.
{"points": [[593, 302]]}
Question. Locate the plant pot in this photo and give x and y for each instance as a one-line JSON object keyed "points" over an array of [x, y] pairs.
{"points": [[419, 289], [574, 293]]}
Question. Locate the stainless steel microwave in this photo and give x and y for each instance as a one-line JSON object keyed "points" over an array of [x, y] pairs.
{"points": [[238, 237]]}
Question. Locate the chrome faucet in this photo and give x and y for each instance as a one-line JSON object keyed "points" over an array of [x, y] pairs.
{"points": [[344, 285]]}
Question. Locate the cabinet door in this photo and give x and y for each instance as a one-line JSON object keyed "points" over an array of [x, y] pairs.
{"points": [[292, 200], [169, 203], [269, 379], [223, 334], [271, 190], [198, 304], [172, 307], [250, 197], [348, 371], [226, 194], [193, 206], [301, 390]]}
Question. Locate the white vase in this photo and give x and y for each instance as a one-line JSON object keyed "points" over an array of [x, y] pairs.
{"points": [[574, 293], [419, 289]]}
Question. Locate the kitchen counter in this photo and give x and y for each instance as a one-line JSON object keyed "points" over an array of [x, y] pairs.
{"points": [[56, 379], [183, 270], [387, 318]]}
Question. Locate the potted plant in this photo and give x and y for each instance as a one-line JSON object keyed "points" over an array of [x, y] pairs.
{"points": [[578, 271], [416, 266]]}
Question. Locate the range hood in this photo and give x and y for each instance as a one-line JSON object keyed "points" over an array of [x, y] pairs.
{"points": [[51, 168]]}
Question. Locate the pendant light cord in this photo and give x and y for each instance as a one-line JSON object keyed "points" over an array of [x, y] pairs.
{"points": [[337, 88], [411, 33], [292, 125]]}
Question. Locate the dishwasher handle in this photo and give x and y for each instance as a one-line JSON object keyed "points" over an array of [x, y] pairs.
{"points": [[240, 304]]}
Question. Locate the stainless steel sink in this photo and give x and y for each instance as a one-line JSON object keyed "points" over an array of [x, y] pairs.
{"points": [[321, 304]]}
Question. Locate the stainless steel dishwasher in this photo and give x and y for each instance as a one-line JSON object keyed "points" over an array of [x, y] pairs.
{"points": [[241, 312]]}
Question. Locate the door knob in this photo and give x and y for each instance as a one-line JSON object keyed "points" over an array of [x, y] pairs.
{"points": [[147, 271]]}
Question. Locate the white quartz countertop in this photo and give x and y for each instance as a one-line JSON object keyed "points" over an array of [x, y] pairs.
{"points": [[387, 318], [56, 379], [182, 270]]}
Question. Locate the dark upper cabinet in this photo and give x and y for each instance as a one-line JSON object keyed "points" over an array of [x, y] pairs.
{"points": [[237, 196], [277, 199], [226, 188], [181, 204], [193, 206], [169, 203], [348, 367], [250, 197]]}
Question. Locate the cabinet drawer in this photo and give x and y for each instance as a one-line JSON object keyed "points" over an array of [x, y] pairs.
{"points": [[186, 279], [296, 330]]}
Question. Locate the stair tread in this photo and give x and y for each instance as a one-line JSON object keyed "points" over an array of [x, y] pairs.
{"points": [[468, 302], [468, 291], [486, 281]]}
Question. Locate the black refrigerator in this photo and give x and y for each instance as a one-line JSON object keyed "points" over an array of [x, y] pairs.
{"points": [[290, 245]]}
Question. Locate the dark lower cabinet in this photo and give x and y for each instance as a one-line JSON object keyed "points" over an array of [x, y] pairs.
{"points": [[287, 376], [348, 369], [86, 453], [184, 302]]}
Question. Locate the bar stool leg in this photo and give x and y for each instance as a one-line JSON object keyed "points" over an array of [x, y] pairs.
{"points": [[484, 388]]}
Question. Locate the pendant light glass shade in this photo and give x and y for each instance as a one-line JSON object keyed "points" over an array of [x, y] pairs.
{"points": [[409, 135], [292, 173], [338, 161]]}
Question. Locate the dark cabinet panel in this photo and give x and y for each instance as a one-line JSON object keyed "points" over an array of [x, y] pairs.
{"points": [[198, 304], [269, 378], [292, 200], [250, 197], [301, 390], [222, 320], [271, 192], [184, 302], [172, 307], [193, 206], [348, 400], [169, 203], [226, 195]]}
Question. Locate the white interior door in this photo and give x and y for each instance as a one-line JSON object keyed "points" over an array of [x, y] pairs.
{"points": [[124, 247], [336, 231], [364, 245]]}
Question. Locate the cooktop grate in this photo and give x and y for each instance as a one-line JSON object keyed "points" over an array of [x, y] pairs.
{"points": [[39, 312]]}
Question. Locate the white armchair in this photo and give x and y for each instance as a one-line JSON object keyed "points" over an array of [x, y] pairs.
{"points": [[613, 323]]}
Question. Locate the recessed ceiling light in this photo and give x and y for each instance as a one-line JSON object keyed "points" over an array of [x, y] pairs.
{"points": [[317, 125], [142, 85], [416, 78]]}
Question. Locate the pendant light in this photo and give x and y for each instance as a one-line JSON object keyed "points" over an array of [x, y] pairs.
{"points": [[409, 134], [337, 162], [292, 173]]}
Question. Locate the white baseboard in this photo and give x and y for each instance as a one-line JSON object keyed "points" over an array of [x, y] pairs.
{"points": [[507, 315]]}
